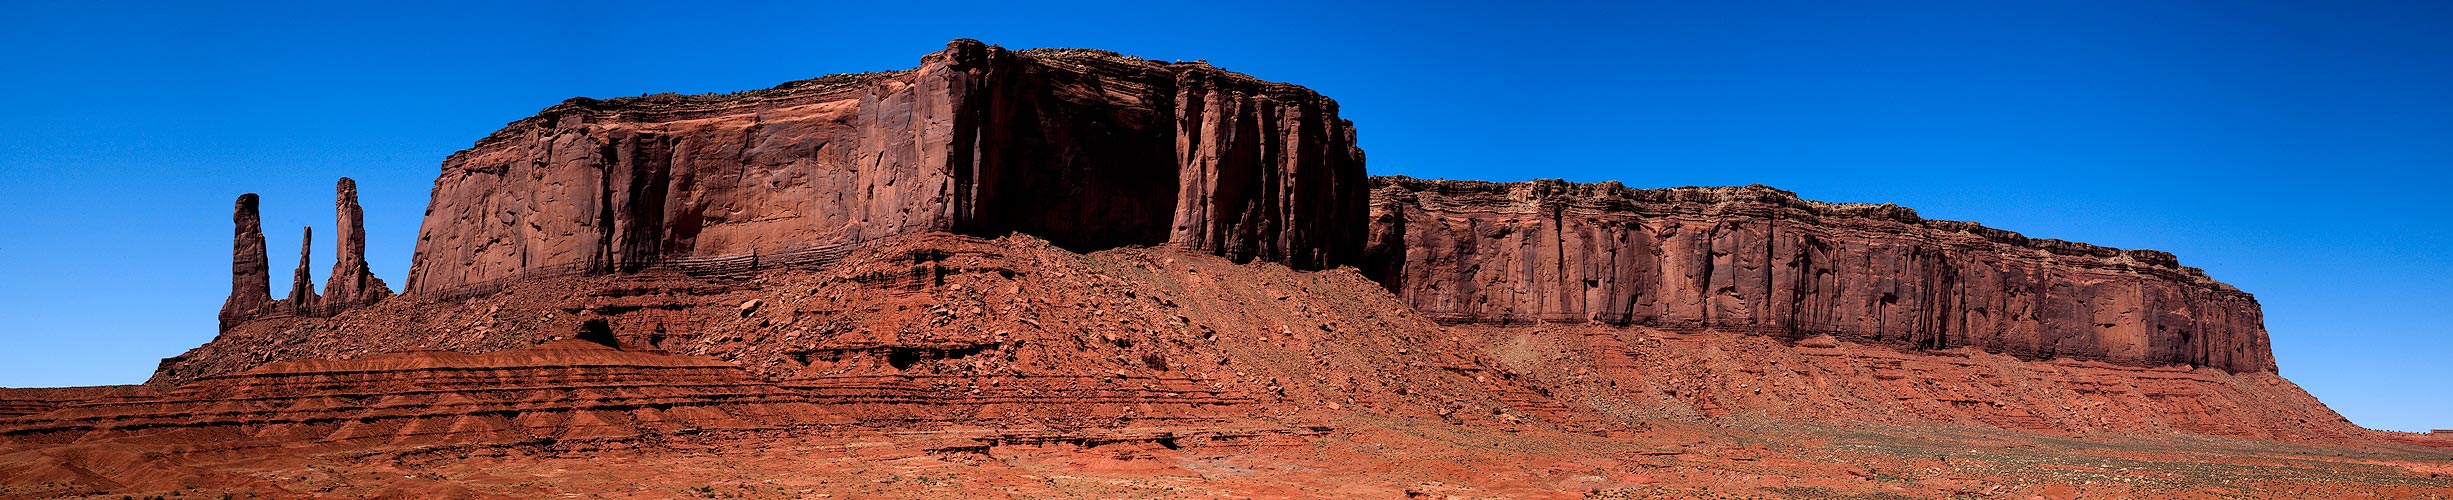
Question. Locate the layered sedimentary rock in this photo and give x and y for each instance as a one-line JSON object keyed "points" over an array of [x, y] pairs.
{"points": [[568, 389], [351, 284], [302, 281], [1757, 259], [251, 288], [1086, 149], [20, 402]]}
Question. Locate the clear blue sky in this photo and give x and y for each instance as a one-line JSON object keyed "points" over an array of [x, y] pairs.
{"points": [[2297, 150]]}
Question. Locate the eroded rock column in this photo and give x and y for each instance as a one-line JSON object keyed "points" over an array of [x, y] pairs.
{"points": [[350, 284], [302, 282], [251, 289]]}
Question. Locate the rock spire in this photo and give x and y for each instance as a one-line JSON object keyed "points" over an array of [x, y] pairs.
{"points": [[302, 282], [351, 284], [250, 274]]}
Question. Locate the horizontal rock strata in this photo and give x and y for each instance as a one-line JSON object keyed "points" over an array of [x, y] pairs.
{"points": [[17, 402], [568, 389]]}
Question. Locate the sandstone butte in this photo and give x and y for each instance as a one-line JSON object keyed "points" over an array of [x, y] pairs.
{"points": [[1068, 272]]}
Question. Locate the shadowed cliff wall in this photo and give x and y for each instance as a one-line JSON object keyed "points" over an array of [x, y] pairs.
{"points": [[1087, 149]]}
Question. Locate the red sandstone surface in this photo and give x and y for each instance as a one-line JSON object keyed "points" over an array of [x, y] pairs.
{"points": [[1068, 273], [1759, 259], [1084, 148]]}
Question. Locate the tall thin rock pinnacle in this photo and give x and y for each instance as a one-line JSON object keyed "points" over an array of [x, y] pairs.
{"points": [[250, 273]]}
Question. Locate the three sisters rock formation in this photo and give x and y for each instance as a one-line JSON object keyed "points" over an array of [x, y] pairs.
{"points": [[351, 285]]}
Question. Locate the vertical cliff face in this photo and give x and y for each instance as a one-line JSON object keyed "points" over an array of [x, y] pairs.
{"points": [[351, 284], [1762, 260], [251, 274], [1086, 149], [1233, 138]]}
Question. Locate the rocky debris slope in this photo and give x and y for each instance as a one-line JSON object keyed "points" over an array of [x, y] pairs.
{"points": [[947, 328], [1757, 259], [982, 342], [1084, 148], [936, 329], [1643, 373]]}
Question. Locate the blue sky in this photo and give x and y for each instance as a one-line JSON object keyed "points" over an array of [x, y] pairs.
{"points": [[2297, 150]]}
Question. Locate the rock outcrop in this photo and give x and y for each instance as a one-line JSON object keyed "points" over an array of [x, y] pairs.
{"points": [[302, 299], [1087, 149], [251, 288], [352, 284], [1756, 259]]}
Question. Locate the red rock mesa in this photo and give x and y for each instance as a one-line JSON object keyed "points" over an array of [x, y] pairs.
{"points": [[1077, 273], [1086, 149]]}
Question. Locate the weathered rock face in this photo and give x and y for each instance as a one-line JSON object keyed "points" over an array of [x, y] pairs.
{"points": [[251, 275], [1761, 260], [302, 299], [351, 283], [1086, 149]]}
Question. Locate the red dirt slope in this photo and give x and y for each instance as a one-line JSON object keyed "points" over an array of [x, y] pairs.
{"points": [[942, 365]]}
